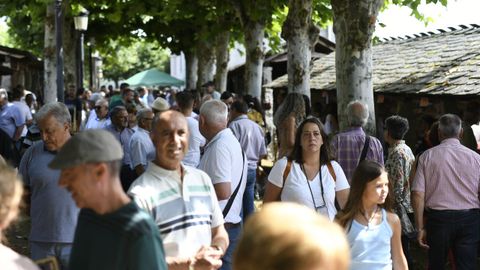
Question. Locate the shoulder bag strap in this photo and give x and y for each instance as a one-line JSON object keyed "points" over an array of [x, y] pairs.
{"points": [[234, 194], [286, 171], [365, 148]]}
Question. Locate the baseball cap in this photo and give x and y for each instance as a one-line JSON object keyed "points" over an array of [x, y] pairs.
{"points": [[95, 96], [160, 104], [89, 146], [209, 83]]}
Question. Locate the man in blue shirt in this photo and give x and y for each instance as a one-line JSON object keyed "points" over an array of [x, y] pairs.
{"points": [[53, 212]]}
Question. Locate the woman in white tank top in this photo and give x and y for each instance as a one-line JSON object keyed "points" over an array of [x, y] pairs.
{"points": [[373, 230]]}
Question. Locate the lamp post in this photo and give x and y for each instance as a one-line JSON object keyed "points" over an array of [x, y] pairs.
{"points": [[59, 49], [81, 24]]}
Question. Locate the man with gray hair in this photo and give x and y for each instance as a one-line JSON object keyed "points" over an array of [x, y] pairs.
{"points": [[223, 160], [53, 212], [353, 145], [98, 117], [446, 190], [142, 149]]}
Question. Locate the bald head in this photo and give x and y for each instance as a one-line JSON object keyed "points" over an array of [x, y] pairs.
{"points": [[170, 137]]}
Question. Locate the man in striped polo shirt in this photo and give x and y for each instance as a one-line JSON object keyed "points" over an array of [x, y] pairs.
{"points": [[181, 200]]}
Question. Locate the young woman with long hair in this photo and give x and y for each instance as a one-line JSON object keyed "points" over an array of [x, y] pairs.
{"points": [[373, 230]]}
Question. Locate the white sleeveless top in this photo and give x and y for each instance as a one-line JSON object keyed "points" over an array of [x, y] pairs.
{"points": [[370, 246]]}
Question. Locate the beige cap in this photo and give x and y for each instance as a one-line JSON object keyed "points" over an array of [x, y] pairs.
{"points": [[160, 104]]}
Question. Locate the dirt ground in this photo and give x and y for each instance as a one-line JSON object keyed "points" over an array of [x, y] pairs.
{"points": [[17, 237]]}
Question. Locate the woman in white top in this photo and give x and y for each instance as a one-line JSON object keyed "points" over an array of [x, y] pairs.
{"points": [[10, 196], [373, 230], [308, 176]]}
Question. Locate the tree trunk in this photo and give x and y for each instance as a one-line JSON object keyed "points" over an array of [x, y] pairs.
{"points": [[222, 57], [354, 24], [206, 61], [192, 68], [70, 46], [254, 34], [301, 34], [49, 62]]}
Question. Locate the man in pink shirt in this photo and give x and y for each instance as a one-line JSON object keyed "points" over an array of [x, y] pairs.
{"points": [[446, 188]]}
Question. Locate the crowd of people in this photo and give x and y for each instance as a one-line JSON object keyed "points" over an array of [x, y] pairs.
{"points": [[132, 180]]}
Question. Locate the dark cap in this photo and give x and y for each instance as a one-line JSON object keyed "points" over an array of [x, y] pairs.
{"points": [[90, 146], [207, 84]]}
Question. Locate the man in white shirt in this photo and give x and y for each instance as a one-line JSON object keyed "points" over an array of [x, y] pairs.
{"points": [[185, 101], [12, 121], [99, 116], [223, 160], [17, 95]]}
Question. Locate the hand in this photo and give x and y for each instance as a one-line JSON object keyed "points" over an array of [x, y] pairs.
{"points": [[422, 239], [207, 258]]}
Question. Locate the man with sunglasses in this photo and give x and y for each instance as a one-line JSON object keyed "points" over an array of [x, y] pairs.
{"points": [[100, 119]]}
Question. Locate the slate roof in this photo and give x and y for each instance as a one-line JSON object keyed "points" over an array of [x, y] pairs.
{"points": [[443, 63]]}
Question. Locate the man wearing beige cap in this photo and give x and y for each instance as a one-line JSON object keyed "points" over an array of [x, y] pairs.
{"points": [[159, 105], [112, 232]]}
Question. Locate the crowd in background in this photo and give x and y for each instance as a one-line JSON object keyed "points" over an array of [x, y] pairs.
{"points": [[169, 178]]}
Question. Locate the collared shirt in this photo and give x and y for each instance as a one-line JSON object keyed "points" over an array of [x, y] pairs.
{"points": [[94, 122], [216, 95], [251, 138], [195, 141], [11, 117], [142, 149], [124, 138], [222, 161], [25, 112], [347, 148], [398, 166], [184, 211], [449, 175]]}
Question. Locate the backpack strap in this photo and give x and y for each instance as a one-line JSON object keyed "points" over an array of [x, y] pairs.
{"points": [[286, 171], [332, 171], [285, 175]]}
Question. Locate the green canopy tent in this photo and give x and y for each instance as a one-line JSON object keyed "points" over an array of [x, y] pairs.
{"points": [[153, 77]]}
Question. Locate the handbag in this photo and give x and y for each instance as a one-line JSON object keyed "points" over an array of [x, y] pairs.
{"points": [[407, 227]]}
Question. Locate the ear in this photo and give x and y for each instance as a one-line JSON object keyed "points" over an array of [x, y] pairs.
{"points": [[99, 171], [66, 126]]}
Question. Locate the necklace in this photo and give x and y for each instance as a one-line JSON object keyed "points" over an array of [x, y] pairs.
{"points": [[369, 220]]}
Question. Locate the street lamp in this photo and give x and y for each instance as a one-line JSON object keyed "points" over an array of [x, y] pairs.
{"points": [[81, 24], [59, 49]]}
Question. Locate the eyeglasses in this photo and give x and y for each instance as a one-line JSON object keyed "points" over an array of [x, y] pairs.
{"points": [[97, 107]]}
